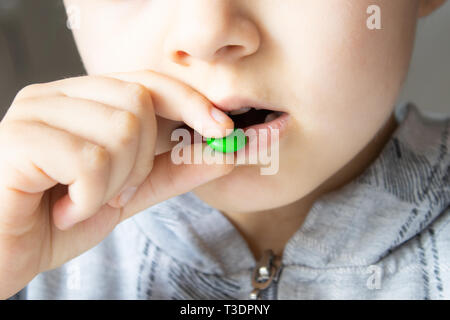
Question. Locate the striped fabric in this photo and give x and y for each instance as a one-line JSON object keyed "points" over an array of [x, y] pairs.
{"points": [[384, 235]]}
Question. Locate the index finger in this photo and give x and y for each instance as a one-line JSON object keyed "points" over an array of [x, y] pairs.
{"points": [[175, 100]]}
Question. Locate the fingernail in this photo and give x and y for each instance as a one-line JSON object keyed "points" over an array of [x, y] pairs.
{"points": [[126, 195], [219, 116]]}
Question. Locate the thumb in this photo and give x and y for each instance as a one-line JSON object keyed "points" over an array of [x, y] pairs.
{"points": [[168, 179]]}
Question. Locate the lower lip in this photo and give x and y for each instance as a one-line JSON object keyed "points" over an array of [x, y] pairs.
{"points": [[279, 124]]}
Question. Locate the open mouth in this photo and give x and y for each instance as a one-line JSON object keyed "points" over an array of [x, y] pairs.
{"points": [[248, 117], [254, 122]]}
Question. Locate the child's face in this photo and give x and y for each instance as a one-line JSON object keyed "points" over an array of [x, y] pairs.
{"points": [[318, 59]]}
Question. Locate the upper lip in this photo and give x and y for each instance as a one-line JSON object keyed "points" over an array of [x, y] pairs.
{"points": [[237, 102]]}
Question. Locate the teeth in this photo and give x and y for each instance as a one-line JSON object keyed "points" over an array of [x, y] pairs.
{"points": [[271, 117], [240, 111]]}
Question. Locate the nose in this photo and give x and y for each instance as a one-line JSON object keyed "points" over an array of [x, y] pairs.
{"points": [[211, 31]]}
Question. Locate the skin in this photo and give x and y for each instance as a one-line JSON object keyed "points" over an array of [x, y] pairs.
{"points": [[70, 148], [339, 83]]}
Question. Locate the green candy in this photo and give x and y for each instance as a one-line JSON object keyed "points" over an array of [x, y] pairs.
{"points": [[231, 143]]}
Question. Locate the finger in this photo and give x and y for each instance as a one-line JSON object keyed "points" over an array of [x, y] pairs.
{"points": [[177, 101], [165, 180], [165, 129], [113, 92], [172, 99], [168, 179], [44, 156], [116, 130]]}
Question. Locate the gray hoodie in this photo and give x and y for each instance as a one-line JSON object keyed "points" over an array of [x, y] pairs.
{"points": [[384, 235]]}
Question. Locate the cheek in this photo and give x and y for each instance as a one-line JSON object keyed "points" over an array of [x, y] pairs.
{"points": [[349, 75], [117, 38]]}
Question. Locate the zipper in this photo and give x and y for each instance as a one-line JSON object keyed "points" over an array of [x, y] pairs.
{"points": [[266, 272]]}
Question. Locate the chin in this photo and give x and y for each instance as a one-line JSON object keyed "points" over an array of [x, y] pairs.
{"points": [[244, 190]]}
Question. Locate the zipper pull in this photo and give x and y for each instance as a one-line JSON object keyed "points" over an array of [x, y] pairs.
{"points": [[266, 270]]}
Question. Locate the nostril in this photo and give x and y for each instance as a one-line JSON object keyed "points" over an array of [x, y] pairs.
{"points": [[229, 50], [180, 57], [180, 54]]}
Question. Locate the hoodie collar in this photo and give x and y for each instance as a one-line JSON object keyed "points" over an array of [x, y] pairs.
{"points": [[399, 194]]}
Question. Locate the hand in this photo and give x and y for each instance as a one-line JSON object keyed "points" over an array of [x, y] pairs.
{"points": [[74, 151]]}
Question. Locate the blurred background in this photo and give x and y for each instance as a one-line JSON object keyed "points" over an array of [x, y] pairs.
{"points": [[36, 46]]}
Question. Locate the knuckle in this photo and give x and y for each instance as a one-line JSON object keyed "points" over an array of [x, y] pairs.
{"points": [[195, 97], [10, 131], [19, 110], [143, 170], [6, 138], [28, 91], [139, 95], [126, 126], [95, 157]]}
